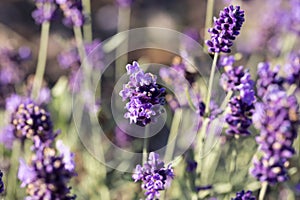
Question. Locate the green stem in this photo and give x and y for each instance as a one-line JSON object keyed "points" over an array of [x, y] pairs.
{"points": [[263, 190], [208, 18], [173, 134], [87, 27], [12, 174], [41, 64], [145, 145], [211, 80], [226, 100]]}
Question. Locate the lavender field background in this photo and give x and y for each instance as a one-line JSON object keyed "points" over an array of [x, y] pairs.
{"points": [[135, 99]]}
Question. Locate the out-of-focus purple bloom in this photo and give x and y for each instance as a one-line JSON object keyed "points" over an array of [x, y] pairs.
{"points": [[72, 10], [68, 156], [292, 69], [70, 59], [278, 123], [193, 39], [226, 61], [267, 77], [7, 136], [31, 121], [144, 96], [244, 196], [12, 103], [154, 176], [121, 138], [44, 11], [48, 174], [226, 28], [124, 3], [12, 64], [294, 16], [1, 183], [269, 169]]}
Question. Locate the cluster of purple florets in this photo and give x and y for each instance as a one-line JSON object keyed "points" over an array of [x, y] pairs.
{"points": [[144, 96], [225, 29], [49, 171], [278, 120], [154, 176], [72, 11], [241, 105]]}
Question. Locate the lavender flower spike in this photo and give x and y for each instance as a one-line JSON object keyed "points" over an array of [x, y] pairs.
{"points": [[144, 96], [1, 183], [244, 196], [226, 28], [48, 174], [154, 176]]}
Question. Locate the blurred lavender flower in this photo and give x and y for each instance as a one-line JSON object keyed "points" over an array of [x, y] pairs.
{"points": [[121, 138], [48, 174], [12, 64], [292, 68], [278, 123], [226, 61], [33, 122], [269, 169], [294, 16], [244, 196], [144, 96], [226, 28], [1, 183], [72, 9], [44, 11], [124, 3], [154, 176], [193, 39], [267, 77], [70, 59], [7, 136]]}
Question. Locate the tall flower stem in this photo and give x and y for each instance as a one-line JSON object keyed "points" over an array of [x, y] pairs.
{"points": [[263, 190], [145, 145], [42, 57], [87, 27], [173, 134], [13, 170], [210, 84], [209, 16], [123, 25]]}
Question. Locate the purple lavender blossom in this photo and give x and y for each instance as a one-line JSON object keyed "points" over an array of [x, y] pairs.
{"points": [[12, 64], [124, 3], [48, 174], [241, 105], [294, 16], [226, 61], [44, 11], [70, 59], [7, 136], [191, 165], [72, 10], [267, 77], [278, 123], [244, 196], [33, 122], [154, 176], [122, 139], [292, 68], [270, 170], [144, 96], [226, 28]]}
